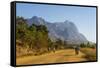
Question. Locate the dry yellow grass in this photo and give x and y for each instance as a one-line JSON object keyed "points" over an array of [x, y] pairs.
{"points": [[90, 53], [67, 55]]}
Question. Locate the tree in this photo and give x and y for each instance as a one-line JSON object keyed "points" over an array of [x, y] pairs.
{"points": [[33, 37]]}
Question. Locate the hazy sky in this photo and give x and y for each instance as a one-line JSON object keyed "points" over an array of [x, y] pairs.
{"points": [[83, 17]]}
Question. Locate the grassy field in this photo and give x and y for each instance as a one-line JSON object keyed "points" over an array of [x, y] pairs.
{"points": [[90, 53], [59, 56]]}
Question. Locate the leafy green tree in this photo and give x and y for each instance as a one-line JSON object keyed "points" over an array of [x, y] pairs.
{"points": [[33, 37]]}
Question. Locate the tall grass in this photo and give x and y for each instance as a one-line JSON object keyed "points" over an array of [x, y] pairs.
{"points": [[90, 53]]}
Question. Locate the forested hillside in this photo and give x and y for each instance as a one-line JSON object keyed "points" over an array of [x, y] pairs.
{"points": [[31, 39]]}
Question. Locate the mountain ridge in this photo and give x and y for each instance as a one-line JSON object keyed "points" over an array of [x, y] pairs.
{"points": [[66, 30]]}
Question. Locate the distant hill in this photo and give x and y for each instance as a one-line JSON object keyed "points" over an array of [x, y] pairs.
{"points": [[66, 30]]}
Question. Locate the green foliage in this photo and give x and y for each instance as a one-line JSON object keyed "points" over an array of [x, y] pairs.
{"points": [[34, 38], [59, 44], [88, 45]]}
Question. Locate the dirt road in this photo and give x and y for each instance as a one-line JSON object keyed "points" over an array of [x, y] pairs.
{"points": [[67, 55]]}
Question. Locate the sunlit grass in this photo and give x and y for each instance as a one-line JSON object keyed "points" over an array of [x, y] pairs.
{"points": [[90, 53]]}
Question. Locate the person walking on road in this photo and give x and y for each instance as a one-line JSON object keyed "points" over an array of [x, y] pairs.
{"points": [[77, 48]]}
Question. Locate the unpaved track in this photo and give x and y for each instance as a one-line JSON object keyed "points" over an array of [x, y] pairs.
{"points": [[67, 55]]}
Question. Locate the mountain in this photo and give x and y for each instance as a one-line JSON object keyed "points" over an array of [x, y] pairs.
{"points": [[36, 20], [66, 30]]}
